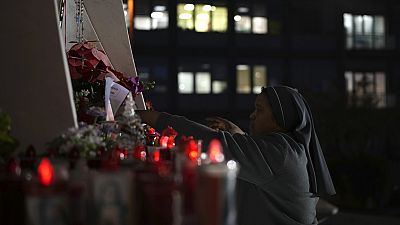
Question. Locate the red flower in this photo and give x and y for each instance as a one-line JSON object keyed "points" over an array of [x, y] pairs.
{"points": [[87, 62]]}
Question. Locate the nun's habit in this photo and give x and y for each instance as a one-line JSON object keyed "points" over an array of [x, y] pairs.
{"points": [[281, 174]]}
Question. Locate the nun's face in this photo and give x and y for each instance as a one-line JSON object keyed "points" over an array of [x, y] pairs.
{"points": [[262, 121]]}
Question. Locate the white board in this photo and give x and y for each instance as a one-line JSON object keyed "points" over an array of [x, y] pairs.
{"points": [[68, 27], [35, 85], [104, 21]]}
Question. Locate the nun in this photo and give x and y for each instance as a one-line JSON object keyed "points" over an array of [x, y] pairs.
{"points": [[282, 168]]}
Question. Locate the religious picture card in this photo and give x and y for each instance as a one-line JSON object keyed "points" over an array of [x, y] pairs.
{"points": [[112, 198]]}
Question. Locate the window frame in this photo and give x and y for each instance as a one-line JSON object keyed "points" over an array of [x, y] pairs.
{"points": [[359, 101], [373, 35], [194, 14], [251, 13], [195, 68], [252, 79], [151, 5]]}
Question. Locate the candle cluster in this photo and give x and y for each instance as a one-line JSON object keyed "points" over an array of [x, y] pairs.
{"points": [[166, 179]]}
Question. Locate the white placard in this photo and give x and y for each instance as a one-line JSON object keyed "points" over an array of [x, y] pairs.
{"points": [[108, 20], [107, 103], [36, 87], [118, 94]]}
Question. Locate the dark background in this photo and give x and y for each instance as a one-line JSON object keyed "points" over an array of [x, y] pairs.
{"points": [[305, 47]]}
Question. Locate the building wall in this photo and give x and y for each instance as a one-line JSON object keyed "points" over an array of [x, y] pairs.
{"points": [[305, 48]]}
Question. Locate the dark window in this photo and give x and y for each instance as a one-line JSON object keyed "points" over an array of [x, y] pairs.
{"points": [[157, 73]]}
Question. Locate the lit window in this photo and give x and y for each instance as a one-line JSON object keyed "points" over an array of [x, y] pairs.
{"points": [[259, 78], [243, 79], [348, 25], [250, 78], [202, 18], [150, 18], [380, 83], [260, 25], [185, 16], [358, 21], [159, 20], [219, 76], [188, 7], [142, 22], [205, 78], [251, 19], [366, 89], [160, 8], [349, 81], [219, 86], [379, 31], [368, 23], [219, 19], [185, 82], [364, 31], [242, 24], [203, 83]]}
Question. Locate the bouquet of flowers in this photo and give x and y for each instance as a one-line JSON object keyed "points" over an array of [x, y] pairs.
{"points": [[86, 140], [88, 68], [93, 141]]}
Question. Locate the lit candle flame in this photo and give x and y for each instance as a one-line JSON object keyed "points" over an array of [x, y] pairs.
{"points": [[45, 172], [156, 156], [215, 151], [192, 150]]}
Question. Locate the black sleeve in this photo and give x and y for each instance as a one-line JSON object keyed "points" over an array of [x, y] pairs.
{"points": [[259, 159], [186, 127]]}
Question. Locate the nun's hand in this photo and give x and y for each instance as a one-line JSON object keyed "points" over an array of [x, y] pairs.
{"points": [[219, 123]]}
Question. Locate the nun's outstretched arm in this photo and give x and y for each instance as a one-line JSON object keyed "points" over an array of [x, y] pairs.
{"points": [[219, 123], [182, 125]]}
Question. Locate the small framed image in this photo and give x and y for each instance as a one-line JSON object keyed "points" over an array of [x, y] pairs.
{"points": [[112, 198]]}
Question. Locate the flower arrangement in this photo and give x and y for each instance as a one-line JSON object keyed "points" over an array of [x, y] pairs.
{"points": [[88, 64], [86, 140], [88, 69], [92, 141]]}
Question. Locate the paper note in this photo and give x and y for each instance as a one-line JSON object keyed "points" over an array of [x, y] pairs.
{"points": [[118, 94], [107, 104]]}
